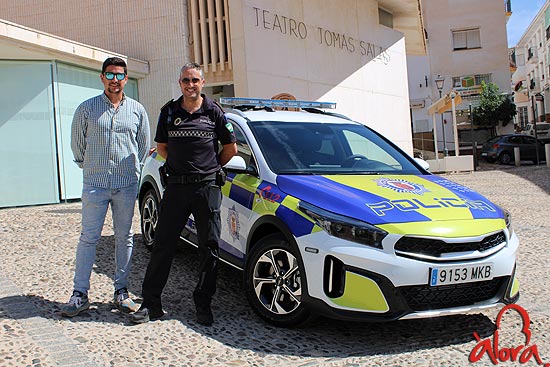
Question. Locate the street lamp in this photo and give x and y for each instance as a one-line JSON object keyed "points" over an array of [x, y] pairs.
{"points": [[439, 81]]}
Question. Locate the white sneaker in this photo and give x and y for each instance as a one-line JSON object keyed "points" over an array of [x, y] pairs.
{"points": [[123, 302], [77, 303]]}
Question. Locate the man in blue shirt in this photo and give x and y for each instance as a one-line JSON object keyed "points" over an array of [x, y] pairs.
{"points": [[109, 139]]}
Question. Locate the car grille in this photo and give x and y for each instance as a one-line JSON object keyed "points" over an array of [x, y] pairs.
{"points": [[423, 298], [434, 248]]}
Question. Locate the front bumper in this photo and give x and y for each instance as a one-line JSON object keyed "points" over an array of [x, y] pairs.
{"points": [[363, 283]]}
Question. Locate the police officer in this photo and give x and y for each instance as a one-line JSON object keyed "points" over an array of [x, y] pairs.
{"points": [[187, 136]]}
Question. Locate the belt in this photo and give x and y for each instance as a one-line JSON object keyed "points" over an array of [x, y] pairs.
{"points": [[189, 179]]}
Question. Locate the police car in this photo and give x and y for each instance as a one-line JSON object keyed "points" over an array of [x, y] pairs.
{"points": [[326, 216]]}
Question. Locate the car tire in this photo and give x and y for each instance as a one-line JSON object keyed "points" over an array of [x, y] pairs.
{"points": [[149, 214], [274, 262], [505, 158]]}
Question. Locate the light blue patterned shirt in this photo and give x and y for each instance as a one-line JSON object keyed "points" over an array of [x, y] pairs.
{"points": [[110, 143]]}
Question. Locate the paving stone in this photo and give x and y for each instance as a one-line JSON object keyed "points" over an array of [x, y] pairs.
{"points": [[36, 273]]}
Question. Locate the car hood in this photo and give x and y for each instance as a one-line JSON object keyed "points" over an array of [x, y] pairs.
{"points": [[385, 199]]}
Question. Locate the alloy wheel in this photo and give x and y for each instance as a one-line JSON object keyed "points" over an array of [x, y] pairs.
{"points": [[149, 218], [276, 281]]}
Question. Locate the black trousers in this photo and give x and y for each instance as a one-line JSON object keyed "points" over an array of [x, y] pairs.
{"points": [[203, 200]]}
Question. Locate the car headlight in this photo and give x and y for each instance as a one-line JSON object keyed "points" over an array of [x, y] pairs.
{"points": [[344, 227]]}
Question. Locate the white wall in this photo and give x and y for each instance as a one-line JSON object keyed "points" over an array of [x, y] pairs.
{"points": [[442, 17], [306, 61], [421, 90]]}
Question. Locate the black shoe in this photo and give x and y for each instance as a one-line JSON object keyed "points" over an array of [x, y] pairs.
{"points": [[202, 305], [145, 314], [204, 316]]}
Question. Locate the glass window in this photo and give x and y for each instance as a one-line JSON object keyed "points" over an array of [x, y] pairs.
{"points": [[243, 149], [385, 18], [323, 148], [523, 115], [466, 39], [462, 81], [29, 173], [369, 149], [483, 78]]}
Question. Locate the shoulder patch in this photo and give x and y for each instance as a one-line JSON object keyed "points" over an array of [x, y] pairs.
{"points": [[229, 127]]}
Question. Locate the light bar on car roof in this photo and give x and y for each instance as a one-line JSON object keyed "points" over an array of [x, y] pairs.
{"points": [[259, 102]]}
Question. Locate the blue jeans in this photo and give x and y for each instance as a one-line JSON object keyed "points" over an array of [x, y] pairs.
{"points": [[95, 202]]}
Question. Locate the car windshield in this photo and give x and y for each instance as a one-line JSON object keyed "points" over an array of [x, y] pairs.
{"points": [[321, 148]]}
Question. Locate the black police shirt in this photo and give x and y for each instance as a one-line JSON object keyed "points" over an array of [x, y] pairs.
{"points": [[192, 138]]}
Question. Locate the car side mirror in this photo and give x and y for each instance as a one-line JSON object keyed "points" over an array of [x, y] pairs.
{"points": [[422, 163], [237, 164]]}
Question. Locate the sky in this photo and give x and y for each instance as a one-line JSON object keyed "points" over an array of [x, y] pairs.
{"points": [[523, 13]]}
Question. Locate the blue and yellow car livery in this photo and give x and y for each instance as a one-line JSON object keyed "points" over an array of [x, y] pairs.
{"points": [[392, 281]]}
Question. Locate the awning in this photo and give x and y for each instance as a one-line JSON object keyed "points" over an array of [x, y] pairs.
{"points": [[518, 86], [444, 103]]}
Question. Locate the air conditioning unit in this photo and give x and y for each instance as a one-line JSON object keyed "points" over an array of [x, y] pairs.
{"points": [[467, 81]]}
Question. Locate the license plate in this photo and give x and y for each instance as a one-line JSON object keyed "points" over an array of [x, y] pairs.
{"points": [[460, 274], [484, 154]]}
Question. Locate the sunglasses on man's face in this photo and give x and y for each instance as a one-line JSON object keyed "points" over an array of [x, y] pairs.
{"points": [[187, 80], [111, 76]]}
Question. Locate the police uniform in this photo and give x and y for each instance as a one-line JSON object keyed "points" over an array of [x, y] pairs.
{"points": [[191, 188]]}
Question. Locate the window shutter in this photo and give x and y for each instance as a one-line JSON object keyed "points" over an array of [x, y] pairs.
{"points": [[459, 40], [474, 39]]}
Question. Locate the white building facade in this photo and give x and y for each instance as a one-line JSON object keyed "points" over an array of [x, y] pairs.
{"points": [[352, 52], [531, 79], [466, 44]]}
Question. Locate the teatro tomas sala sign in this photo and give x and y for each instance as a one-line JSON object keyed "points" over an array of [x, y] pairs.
{"points": [[290, 27]]}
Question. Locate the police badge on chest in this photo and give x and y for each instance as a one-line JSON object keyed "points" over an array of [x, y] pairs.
{"points": [[206, 120]]}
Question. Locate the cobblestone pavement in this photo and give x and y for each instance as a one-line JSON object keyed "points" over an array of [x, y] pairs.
{"points": [[37, 248]]}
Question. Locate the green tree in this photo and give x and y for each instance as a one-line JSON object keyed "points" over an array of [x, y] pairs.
{"points": [[494, 108]]}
